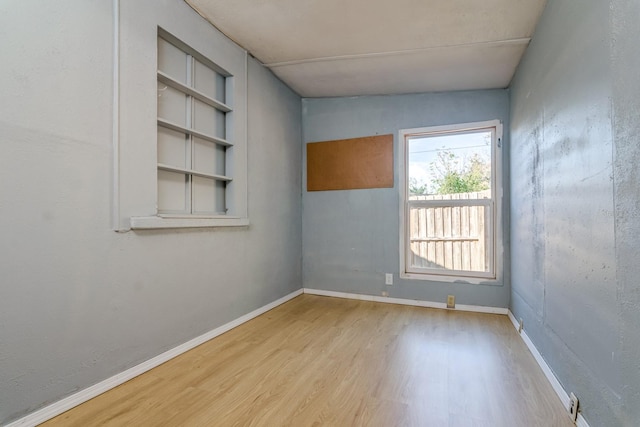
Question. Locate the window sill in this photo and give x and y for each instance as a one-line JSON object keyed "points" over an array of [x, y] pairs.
{"points": [[161, 222], [451, 279]]}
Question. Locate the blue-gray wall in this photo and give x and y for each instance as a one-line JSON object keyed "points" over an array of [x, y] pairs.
{"points": [[71, 288], [574, 202], [351, 238], [625, 55], [79, 302]]}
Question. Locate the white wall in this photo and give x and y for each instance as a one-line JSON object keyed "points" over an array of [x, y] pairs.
{"points": [[79, 302]]}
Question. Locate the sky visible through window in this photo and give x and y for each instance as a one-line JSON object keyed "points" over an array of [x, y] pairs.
{"points": [[432, 158]]}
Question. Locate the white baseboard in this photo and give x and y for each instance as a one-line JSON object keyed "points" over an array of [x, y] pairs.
{"points": [[82, 396], [416, 303], [562, 394], [557, 387]]}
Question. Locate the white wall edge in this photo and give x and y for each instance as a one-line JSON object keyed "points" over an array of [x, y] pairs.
{"points": [[416, 303], [82, 396], [557, 387]]}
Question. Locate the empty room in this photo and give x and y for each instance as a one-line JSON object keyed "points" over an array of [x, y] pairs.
{"points": [[309, 213]]}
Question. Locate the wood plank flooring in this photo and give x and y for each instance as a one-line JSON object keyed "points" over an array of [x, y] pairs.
{"points": [[320, 361]]}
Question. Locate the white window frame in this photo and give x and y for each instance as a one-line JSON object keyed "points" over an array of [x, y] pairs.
{"points": [[136, 28], [494, 204]]}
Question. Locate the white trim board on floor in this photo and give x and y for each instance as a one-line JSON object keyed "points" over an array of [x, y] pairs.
{"points": [[82, 396], [557, 387], [401, 301]]}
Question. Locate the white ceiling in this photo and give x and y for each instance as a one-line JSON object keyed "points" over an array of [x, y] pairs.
{"points": [[365, 47]]}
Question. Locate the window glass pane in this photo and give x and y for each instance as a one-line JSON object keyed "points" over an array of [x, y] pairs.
{"points": [[208, 157], [450, 238], [172, 104], [208, 120], [172, 148], [208, 196], [209, 82], [172, 192], [452, 166], [172, 61]]}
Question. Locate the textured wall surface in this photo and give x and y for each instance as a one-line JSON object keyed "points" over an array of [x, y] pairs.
{"points": [[79, 302], [574, 202], [626, 135], [351, 238]]}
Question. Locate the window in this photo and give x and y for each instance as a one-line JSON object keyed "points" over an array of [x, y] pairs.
{"points": [[181, 158], [450, 181], [192, 132]]}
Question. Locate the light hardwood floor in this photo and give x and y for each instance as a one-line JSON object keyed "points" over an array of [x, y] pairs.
{"points": [[318, 361]]}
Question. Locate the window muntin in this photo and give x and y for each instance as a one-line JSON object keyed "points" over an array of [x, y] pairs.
{"points": [[449, 201], [192, 132]]}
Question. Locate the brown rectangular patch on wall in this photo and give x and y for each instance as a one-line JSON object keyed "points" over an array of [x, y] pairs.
{"points": [[348, 164]]}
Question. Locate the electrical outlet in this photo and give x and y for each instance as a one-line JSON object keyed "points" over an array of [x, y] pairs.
{"points": [[451, 301], [520, 325], [385, 293], [388, 279], [573, 407]]}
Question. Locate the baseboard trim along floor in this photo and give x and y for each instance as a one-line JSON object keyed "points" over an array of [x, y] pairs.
{"points": [[82, 396], [412, 302], [557, 387]]}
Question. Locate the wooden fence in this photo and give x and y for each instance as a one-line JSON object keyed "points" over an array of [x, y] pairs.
{"points": [[452, 238]]}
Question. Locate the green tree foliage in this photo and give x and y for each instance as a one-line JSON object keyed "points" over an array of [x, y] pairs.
{"points": [[456, 176], [417, 188]]}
